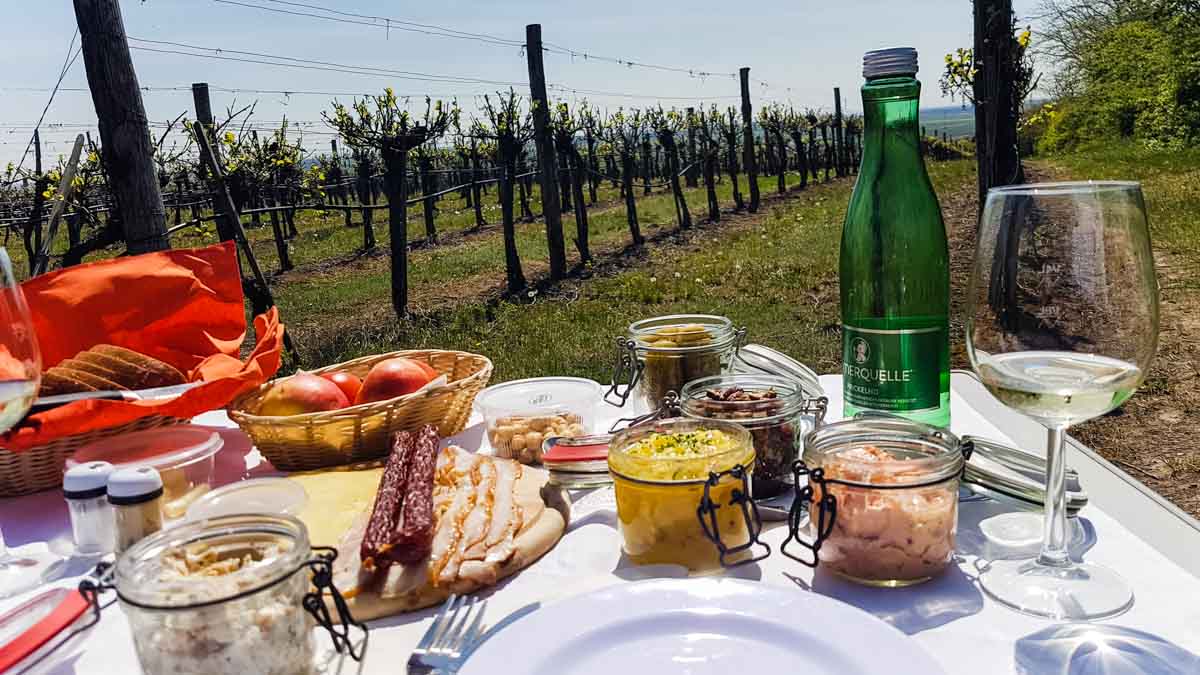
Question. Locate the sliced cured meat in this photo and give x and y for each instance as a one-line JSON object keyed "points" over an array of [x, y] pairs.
{"points": [[449, 525], [381, 528], [413, 539], [475, 524]]}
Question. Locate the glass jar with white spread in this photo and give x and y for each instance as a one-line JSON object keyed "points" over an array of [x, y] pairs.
{"points": [[223, 596]]}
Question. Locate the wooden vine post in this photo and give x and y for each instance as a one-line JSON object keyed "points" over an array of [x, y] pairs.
{"points": [[547, 161], [693, 166], [124, 132], [996, 99], [749, 162], [258, 291], [838, 139]]}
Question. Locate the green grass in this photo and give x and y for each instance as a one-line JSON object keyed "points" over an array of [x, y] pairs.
{"points": [[1169, 179], [777, 277]]}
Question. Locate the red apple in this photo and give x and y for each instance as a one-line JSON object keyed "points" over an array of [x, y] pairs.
{"points": [[347, 382], [429, 370], [302, 393], [392, 378]]}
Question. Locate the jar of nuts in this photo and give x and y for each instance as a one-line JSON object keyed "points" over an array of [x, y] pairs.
{"points": [[520, 415], [773, 409]]}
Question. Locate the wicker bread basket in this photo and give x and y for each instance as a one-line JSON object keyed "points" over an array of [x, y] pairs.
{"points": [[41, 467], [361, 433]]}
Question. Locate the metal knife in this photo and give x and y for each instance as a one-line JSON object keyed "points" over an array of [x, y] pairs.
{"points": [[157, 393]]}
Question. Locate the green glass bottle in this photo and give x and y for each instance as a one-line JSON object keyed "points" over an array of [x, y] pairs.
{"points": [[894, 267]]}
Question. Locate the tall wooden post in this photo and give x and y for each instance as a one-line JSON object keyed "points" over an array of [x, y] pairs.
{"points": [[693, 166], [547, 161], [124, 131], [995, 93], [748, 160], [838, 139], [204, 118]]}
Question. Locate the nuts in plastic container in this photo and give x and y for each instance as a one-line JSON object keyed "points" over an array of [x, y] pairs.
{"points": [[521, 414]]}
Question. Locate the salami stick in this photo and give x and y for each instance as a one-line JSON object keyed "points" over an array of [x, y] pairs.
{"points": [[414, 529], [388, 499]]}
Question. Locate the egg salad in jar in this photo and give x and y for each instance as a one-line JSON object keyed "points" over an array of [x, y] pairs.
{"points": [[659, 475]]}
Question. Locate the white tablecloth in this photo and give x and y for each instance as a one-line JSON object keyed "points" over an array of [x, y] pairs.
{"points": [[950, 617]]}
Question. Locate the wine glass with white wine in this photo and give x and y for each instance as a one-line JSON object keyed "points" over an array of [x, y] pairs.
{"points": [[20, 377], [1062, 324]]}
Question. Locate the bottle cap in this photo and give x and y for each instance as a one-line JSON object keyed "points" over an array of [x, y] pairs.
{"points": [[86, 481], [134, 486], [897, 61]]}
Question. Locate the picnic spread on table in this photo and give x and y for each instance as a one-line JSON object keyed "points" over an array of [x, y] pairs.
{"points": [[182, 508]]}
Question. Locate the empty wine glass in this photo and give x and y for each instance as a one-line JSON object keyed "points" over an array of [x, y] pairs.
{"points": [[20, 377], [1062, 324]]}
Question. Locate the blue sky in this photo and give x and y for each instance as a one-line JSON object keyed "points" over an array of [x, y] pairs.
{"points": [[802, 49]]}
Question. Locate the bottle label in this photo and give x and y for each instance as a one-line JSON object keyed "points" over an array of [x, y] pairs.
{"points": [[892, 370]]}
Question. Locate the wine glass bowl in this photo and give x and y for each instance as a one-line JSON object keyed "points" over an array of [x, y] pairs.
{"points": [[1062, 326], [20, 377]]}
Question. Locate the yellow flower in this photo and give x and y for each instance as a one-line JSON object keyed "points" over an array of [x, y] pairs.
{"points": [[228, 138], [1023, 38]]}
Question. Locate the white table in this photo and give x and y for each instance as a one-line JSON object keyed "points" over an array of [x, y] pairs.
{"points": [[1155, 546]]}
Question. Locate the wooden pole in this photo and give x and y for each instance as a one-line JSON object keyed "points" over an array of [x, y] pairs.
{"points": [[204, 117], [260, 292], [693, 166], [748, 159], [124, 131], [838, 139], [547, 161], [995, 97], [65, 186]]}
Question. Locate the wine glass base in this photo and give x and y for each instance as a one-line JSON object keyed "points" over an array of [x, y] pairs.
{"points": [[1079, 592]]}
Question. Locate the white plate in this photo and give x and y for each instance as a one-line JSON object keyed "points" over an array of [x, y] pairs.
{"points": [[698, 626]]}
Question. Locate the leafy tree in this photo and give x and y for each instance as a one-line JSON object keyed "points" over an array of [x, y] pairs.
{"points": [[772, 117], [508, 128], [666, 126], [624, 132], [565, 127], [382, 123]]}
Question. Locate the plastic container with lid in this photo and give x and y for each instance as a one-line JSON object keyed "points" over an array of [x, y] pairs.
{"points": [[85, 488], [884, 500], [682, 489], [183, 455], [662, 354], [258, 495], [135, 494], [223, 596], [774, 409], [521, 414]]}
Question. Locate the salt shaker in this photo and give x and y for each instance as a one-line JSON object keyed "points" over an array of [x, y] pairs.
{"points": [[136, 498], [84, 488]]}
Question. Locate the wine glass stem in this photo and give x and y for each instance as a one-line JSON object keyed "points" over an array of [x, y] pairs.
{"points": [[1054, 538]]}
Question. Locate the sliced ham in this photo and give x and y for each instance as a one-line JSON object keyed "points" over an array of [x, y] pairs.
{"points": [[449, 526], [475, 525]]}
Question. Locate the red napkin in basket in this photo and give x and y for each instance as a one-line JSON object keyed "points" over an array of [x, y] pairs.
{"points": [[182, 306]]}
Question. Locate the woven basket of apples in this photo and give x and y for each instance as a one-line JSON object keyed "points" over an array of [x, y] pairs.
{"points": [[347, 412]]}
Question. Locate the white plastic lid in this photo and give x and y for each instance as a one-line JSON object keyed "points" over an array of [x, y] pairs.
{"points": [[163, 448], [134, 485], [86, 481], [540, 394], [274, 496]]}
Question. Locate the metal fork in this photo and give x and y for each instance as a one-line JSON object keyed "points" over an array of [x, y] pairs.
{"points": [[445, 644]]}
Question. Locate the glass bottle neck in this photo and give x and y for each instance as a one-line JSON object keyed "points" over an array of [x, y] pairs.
{"points": [[890, 109]]}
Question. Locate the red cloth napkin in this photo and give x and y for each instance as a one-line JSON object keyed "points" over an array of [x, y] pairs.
{"points": [[182, 306]]}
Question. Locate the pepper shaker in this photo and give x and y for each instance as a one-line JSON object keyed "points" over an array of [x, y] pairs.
{"points": [[136, 497], [85, 487]]}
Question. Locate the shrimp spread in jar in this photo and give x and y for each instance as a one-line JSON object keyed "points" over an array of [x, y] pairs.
{"points": [[885, 536]]}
